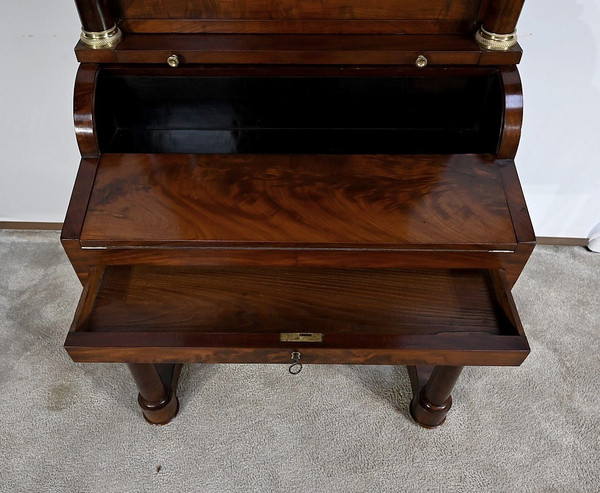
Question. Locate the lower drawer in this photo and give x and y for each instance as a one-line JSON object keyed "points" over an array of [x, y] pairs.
{"points": [[161, 314]]}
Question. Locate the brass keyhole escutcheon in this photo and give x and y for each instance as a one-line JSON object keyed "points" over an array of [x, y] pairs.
{"points": [[421, 61], [296, 366], [173, 61]]}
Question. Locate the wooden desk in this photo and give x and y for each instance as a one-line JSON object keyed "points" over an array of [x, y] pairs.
{"points": [[301, 184]]}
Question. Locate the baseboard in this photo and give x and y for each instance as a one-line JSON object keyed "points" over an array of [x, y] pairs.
{"points": [[29, 225], [553, 240]]}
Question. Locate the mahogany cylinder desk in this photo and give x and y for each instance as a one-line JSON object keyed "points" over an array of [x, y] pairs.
{"points": [[298, 182]]}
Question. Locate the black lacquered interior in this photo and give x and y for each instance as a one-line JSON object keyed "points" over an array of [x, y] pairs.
{"points": [[291, 114]]}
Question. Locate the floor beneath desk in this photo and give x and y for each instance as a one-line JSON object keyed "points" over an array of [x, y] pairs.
{"points": [[76, 427]]}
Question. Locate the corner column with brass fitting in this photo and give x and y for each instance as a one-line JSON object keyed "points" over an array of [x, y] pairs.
{"points": [[98, 27], [497, 29]]}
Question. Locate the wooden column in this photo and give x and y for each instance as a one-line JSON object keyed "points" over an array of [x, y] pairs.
{"points": [[98, 23], [499, 23], [431, 404], [157, 400]]}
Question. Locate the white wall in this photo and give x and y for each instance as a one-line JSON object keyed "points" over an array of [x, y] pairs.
{"points": [[38, 151], [557, 160], [559, 155]]}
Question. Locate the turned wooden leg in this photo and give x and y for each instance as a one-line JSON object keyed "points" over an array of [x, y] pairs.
{"points": [[432, 401], [157, 397]]}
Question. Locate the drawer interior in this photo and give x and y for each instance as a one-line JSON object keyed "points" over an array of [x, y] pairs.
{"points": [[414, 113], [238, 314]]}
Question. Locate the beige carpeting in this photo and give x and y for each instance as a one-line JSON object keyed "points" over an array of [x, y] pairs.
{"points": [[77, 428]]}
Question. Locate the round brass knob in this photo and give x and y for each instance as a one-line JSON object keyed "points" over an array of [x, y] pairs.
{"points": [[173, 61], [421, 61]]}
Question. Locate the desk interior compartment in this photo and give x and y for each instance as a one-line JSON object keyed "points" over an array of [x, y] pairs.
{"points": [[329, 111]]}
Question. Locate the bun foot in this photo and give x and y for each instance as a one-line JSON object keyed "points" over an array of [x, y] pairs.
{"points": [[159, 413], [157, 385], [431, 394], [427, 414]]}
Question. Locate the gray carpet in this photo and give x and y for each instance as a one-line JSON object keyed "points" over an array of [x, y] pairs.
{"points": [[77, 428]]}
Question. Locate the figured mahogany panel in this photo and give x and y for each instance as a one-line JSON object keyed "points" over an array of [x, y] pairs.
{"points": [[166, 314], [298, 26], [299, 201], [307, 9]]}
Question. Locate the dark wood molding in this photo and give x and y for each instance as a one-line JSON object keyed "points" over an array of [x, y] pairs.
{"points": [[30, 225], [298, 49]]}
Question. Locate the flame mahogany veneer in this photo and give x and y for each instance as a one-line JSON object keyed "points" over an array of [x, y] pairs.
{"points": [[291, 187]]}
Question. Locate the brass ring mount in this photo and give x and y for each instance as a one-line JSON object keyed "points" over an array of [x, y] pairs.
{"points": [[494, 41], [100, 40]]}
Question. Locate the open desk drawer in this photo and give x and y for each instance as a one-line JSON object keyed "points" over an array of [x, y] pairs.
{"points": [[158, 314]]}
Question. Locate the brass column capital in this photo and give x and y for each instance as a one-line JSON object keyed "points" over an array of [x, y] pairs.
{"points": [[98, 40], [494, 41]]}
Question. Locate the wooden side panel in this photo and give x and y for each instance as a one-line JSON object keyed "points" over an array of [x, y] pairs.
{"points": [[83, 109], [76, 211], [513, 113], [520, 219]]}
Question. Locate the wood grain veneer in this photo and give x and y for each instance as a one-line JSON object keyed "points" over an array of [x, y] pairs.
{"points": [[83, 109], [309, 9], [299, 201], [167, 314], [290, 169]]}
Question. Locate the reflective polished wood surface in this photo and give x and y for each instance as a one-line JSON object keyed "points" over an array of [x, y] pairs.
{"points": [[340, 171]]}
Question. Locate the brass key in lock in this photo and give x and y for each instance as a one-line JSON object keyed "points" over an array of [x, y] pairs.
{"points": [[296, 366]]}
